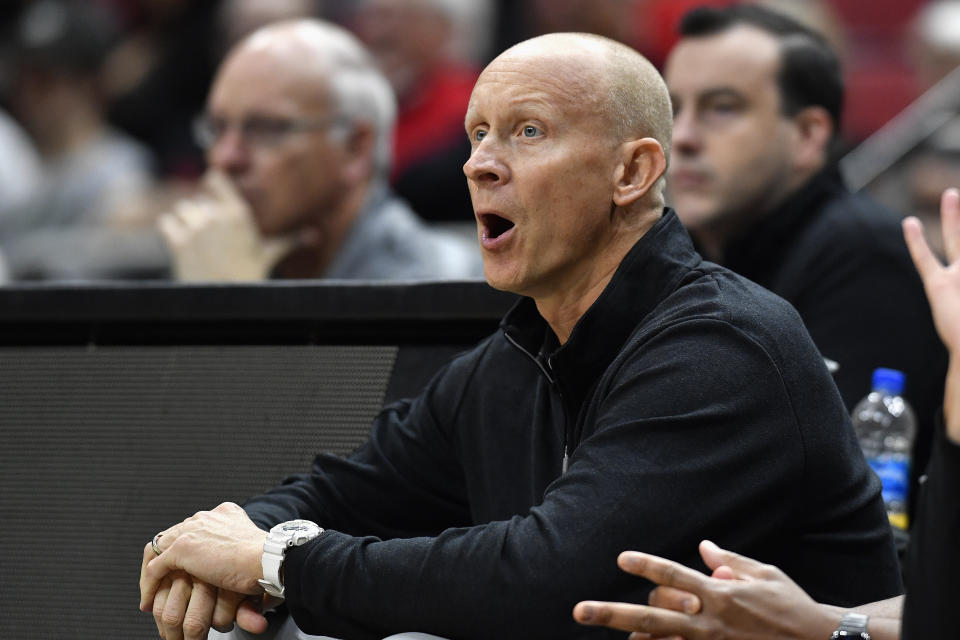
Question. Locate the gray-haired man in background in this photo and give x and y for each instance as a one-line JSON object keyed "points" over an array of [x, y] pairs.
{"points": [[297, 132]]}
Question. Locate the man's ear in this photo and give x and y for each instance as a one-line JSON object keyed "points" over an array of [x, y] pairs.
{"points": [[642, 163], [358, 147], [814, 130]]}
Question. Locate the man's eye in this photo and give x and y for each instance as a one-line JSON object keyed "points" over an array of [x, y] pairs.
{"points": [[216, 127], [266, 128], [530, 131], [479, 135], [722, 108]]}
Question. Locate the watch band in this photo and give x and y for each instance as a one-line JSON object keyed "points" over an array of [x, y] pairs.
{"points": [[274, 551], [281, 537], [852, 625]]}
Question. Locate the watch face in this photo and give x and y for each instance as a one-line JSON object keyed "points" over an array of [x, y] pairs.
{"points": [[296, 532]]}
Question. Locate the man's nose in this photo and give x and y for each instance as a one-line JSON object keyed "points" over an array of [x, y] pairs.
{"points": [[686, 132], [229, 152], [484, 166]]}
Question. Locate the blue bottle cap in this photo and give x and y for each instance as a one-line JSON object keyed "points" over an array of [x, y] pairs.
{"points": [[888, 380]]}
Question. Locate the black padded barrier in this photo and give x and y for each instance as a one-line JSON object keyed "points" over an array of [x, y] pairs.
{"points": [[124, 409]]}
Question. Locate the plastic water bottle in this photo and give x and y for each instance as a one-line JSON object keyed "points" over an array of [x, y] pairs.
{"points": [[886, 426]]}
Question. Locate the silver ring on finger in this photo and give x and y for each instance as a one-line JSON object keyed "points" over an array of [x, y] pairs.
{"points": [[153, 543]]}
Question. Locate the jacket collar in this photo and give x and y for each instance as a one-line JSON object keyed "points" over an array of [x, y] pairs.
{"points": [[648, 273], [762, 247]]}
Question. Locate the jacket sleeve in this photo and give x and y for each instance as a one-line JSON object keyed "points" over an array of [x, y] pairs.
{"points": [[402, 482], [693, 438]]}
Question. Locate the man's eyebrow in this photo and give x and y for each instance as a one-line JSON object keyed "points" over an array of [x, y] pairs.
{"points": [[717, 93], [471, 119], [257, 114], [516, 108], [720, 92]]}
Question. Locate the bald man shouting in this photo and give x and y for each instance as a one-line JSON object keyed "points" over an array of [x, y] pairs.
{"points": [[636, 397]]}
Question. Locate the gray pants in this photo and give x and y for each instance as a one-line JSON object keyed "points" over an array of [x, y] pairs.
{"points": [[282, 627]]}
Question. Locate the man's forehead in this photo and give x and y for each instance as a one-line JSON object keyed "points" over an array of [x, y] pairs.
{"points": [[518, 80], [516, 86], [548, 58], [249, 80], [739, 55]]}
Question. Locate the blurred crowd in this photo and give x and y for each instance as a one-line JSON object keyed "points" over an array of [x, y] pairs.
{"points": [[99, 101]]}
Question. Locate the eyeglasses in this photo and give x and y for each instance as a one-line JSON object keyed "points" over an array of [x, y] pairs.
{"points": [[259, 131]]}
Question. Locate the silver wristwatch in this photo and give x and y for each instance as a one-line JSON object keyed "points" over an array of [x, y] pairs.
{"points": [[283, 536]]}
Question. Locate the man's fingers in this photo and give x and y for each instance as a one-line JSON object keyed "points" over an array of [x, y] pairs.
{"points": [[149, 589], [274, 248], [156, 570], [175, 607], [196, 215], [150, 578], [250, 618], [950, 223], [173, 231], [199, 614], [674, 599], [723, 572], [923, 258], [239, 608], [225, 611], [149, 586], [222, 189], [148, 555], [634, 617], [158, 603], [661, 571], [714, 557]]}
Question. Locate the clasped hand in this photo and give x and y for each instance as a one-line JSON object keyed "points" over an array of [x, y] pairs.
{"points": [[205, 576]]}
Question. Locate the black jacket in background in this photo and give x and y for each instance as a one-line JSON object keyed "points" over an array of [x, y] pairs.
{"points": [[933, 558], [692, 404], [841, 260]]}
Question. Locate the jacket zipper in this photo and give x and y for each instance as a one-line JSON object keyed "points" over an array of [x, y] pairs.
{"points": [[547, 369]]}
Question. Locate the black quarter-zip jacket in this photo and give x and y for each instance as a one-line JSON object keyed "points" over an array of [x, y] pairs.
{"points": [[691, 403]]}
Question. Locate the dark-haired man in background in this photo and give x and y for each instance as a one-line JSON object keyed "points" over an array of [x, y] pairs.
{"points": [[757, 99]]}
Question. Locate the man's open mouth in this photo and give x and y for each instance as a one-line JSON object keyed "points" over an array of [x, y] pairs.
{"points": [[494, 226]]}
